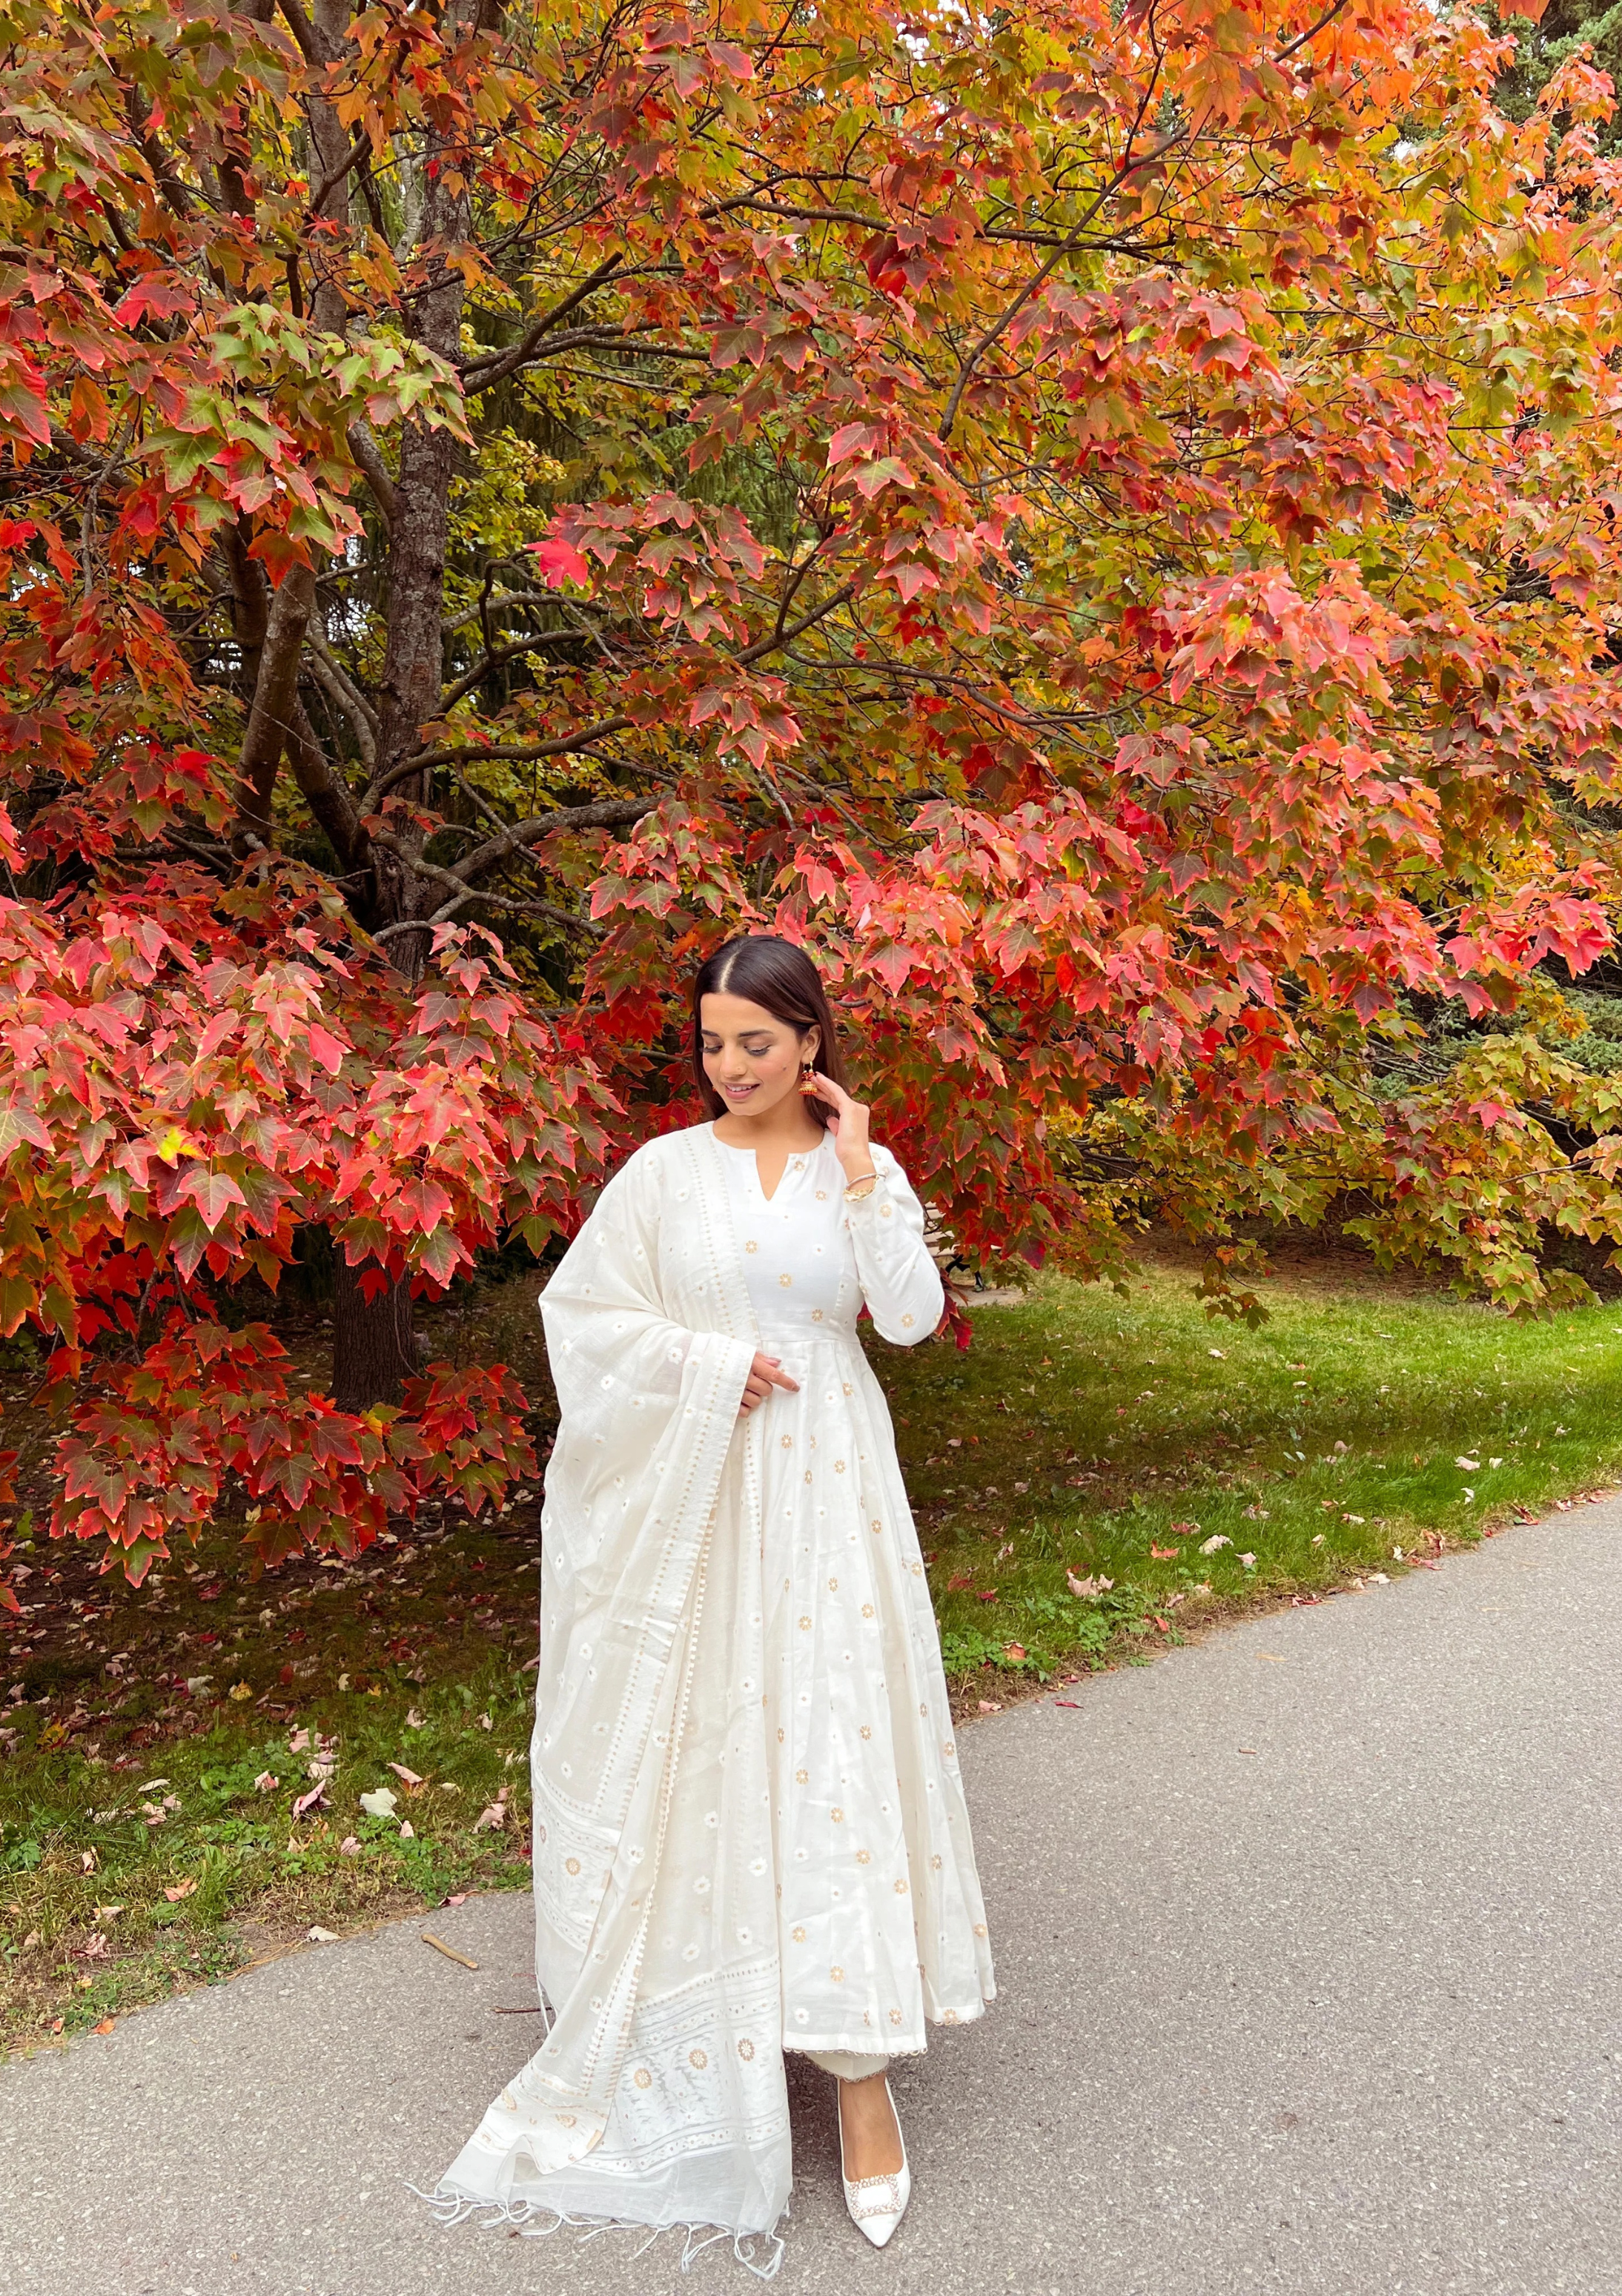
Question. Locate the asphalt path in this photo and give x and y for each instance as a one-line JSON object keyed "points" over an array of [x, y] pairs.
{"points": [[1311, 1982]]}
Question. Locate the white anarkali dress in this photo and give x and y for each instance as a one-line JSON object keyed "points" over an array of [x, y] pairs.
{"points": [[749, 1826]]}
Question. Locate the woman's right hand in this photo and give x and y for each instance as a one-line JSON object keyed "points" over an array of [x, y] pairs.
{"points": [[765, 1374]]}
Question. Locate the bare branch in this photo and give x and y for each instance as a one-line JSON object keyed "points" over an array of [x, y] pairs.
{"points": [[368, 460], [335, 174], [340, 689], [274, 695], [533, 644], [325, 790], [494, 365], [606, 813]]}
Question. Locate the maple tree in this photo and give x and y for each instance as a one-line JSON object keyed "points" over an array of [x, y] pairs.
{"points": [[1101, 520]]}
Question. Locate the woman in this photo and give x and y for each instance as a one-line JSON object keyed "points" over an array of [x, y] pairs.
{"points": [[749, 1829]]}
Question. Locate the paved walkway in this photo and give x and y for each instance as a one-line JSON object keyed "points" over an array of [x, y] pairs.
{"points": [[1337, 2016]]}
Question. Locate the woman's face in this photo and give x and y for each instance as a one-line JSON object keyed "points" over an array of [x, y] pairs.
{"points": [[751, 1057]]}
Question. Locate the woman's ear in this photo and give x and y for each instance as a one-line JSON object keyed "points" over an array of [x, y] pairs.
{"points": [[810, 1043]]}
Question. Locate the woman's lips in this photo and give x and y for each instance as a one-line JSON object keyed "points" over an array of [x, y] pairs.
{"points": [[739, 1091]]}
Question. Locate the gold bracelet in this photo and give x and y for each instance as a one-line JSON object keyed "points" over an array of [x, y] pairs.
{"points": [[861, 1187]]}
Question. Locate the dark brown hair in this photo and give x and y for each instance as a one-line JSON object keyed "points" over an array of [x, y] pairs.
{"points": [[782, 980]]}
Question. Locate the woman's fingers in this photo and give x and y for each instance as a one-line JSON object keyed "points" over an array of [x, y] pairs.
{"points": [[765, 1373], [826, 1089]]}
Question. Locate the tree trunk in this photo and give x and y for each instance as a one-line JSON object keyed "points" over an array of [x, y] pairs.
{"points": [[372, 1349], [373, 1341]]}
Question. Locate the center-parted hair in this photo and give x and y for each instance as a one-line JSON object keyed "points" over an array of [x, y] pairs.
{"points": [[781, 979]]}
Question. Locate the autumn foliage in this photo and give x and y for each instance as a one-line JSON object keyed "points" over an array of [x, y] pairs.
{"points": [[1103, 520]]}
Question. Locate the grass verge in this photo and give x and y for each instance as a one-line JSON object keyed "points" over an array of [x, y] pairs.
{"points": [[159, 1749], [1175, 1469]]}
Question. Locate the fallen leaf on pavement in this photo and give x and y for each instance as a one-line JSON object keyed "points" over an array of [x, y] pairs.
{"points": [[450, 1952]]}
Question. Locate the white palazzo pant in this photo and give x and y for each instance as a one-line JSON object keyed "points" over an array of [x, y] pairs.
{"points": [[845, 2065]]}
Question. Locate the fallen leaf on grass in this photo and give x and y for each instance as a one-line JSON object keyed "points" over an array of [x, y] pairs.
{"points": [[182, 1889], [348, 1847], [379, 1803], [1162, 1554], [962, 1579], [87, 1861], [317, 1793], [1087, 1589], [267, 1782], [105, 2026], [990, 1706], [1014, 1651], [988, 1596], [493, 1816], [1185, 1530], [1217, 1538], [408, 1778], [318, 1936]]}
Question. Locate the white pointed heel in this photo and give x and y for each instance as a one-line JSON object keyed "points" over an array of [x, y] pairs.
{"points": [[877, 2204]]}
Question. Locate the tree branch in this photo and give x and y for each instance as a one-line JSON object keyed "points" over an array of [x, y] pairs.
{"points": [[494, 365], [606, 813], [1311, 33], [496, 655], [561, 744], [325, 792], [331, 676], [368, 460], [1039, 279], [274, 695]]}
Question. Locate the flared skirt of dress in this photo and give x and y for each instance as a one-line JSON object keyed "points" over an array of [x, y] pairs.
{"points": [[881, 1928]]}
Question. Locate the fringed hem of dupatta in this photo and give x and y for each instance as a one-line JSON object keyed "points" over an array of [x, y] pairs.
{"points": [[453, 2206]]}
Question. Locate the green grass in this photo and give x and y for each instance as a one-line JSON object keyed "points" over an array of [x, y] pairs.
{"points": [[1081, 1432], [114, 1794]]}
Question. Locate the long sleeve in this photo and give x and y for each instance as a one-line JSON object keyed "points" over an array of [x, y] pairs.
{"points": [[900, 1281]]}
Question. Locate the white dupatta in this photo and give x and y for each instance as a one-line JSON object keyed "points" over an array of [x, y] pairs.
{"points": [[658, 2095]]}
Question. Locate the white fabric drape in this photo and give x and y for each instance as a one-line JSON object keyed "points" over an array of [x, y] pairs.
{"points": [[749, 1828]]}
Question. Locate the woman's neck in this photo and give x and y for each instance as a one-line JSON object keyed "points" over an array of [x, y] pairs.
{"points": [[788, 1128]]}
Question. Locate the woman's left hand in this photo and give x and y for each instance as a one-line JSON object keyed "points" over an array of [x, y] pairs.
{"points": [[849, 1126]]}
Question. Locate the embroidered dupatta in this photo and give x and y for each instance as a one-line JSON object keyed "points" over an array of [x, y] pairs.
{"points": [[658, 2095]]}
